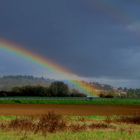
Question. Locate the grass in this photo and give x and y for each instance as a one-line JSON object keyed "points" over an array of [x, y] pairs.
{"points": [[99, 101], [7, 118], [53, 126], [98, 118], [87, 118], [96, 135]]}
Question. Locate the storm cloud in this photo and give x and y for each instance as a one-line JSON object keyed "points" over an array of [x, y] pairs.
{"points": [[93, 39]]}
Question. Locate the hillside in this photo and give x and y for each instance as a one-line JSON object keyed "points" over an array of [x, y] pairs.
{"points": [[8, 82]]}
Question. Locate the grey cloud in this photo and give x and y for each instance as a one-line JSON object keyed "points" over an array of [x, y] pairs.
{"points": [[84, 39]]}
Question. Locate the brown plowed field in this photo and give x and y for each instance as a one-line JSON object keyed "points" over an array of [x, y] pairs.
{"points": [[13, 109]]}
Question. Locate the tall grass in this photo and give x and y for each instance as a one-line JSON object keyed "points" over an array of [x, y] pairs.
{"points": [[135, 119], [53, 126], [49, 123], [129, 119], [96, 135]]}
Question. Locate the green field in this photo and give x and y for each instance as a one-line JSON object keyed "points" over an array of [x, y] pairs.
{"points": [[96, 135], [96, 101]]}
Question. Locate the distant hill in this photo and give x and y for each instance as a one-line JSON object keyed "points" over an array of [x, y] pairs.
{"points": [[101, 86], [8, 82]]}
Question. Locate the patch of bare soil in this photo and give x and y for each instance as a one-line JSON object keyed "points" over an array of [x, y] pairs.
{"points": [[105, 110]]}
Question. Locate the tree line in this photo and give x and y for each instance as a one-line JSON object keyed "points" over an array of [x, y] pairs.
{"points": [[133, 93], [56, 89]]}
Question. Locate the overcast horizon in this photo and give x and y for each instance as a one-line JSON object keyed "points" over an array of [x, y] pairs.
{"points": [[96, 39]]}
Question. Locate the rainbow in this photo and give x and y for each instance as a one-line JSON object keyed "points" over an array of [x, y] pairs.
{"points": [[69, 76], [107, 7]]}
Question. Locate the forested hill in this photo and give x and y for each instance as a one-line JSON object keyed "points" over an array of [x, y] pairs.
{"points": [[8, 82]]}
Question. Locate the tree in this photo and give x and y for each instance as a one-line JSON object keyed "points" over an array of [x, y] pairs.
{"points": [[59, 89], [30, 91]]}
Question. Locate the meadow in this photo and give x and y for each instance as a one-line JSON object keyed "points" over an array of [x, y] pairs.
{"points": [[96, 135], [96, 119], [96, 101], [53, 126]]}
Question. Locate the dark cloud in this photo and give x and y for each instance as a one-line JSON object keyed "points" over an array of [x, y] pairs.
{"points": [[90, 40]]}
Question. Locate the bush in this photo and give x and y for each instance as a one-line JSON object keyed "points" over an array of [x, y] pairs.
{"points": [[51, 122], [129, 119], [106, 95]]}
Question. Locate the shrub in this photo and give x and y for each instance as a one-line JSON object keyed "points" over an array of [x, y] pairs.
{"points": [[21, 124], [51, 122], [107, 95], [77, 127], [129, 119]]}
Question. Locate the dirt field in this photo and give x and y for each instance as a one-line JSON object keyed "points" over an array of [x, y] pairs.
{"points": [[13, 109]]}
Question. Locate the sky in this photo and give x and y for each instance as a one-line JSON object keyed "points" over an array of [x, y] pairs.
{"points": [[96, 39]]}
